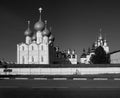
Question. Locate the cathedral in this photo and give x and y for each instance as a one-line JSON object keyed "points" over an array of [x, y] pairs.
{"points": [[35, 50], [39, 47], [85, 57]]}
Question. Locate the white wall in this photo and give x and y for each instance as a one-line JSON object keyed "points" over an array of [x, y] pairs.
{"points": [[62, 71], [115, 58]]}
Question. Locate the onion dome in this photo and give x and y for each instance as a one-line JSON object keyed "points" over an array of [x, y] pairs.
{"points": [[96, 43], [105, 40], [52, 38], [73, 51], [28, 32], [46, 32], [39, 26], [68, 52], [100, 37]]}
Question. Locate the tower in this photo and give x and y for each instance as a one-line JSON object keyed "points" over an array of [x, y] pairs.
{"points": [[105, 46], [102, 42], [39, 26], [28, 34]]}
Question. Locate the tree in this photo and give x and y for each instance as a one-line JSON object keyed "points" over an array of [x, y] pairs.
{"points": [[100, 56]]}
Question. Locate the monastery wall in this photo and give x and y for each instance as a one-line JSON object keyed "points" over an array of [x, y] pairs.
{"points": [[61, 71]]}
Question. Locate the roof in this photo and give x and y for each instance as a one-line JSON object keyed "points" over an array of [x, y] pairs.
{"points": [[114, 52]]}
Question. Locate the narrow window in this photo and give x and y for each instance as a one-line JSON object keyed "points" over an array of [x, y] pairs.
{"points": [[23, 60], [69, 56], [23, 48], [73, 56], [42, 59], [42, 47], [32, 59], [32, 48]]}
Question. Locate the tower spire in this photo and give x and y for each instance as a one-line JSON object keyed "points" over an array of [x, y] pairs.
{"points": [[45, 23], [100, 30], [105, 37], [28, 31], [100, 34], [40, 10], [46, 31], [39, 26], [105, 40], [50, 28], [28, 24]]}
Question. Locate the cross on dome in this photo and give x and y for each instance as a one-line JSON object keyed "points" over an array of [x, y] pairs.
{"points": [[40, 9], [39, 26]]}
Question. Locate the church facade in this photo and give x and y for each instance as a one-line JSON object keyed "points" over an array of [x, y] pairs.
{"points": [[85, 57]]}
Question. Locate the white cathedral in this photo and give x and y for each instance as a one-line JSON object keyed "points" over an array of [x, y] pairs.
{"points": [[85, 57], [35, 50]]}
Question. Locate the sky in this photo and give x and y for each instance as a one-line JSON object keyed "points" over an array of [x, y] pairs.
{"points": [[75, 23]]}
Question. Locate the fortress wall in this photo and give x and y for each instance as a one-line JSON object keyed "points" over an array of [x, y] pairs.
{"points": [[61, 71], [1, 71]]}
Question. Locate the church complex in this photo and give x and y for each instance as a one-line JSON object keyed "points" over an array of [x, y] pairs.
{"points": [[39, 48], [39, 57]]}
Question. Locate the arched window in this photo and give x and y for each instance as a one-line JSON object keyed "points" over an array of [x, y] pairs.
{"points": [[42, 59], [69, 56], [32, 48], [42, 47], [73, 56], [32, 59], [23, 59], [23, 48]]}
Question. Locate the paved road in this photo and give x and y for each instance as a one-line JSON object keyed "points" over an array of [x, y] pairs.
{"points": [[59, 88], [18, 83]]}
